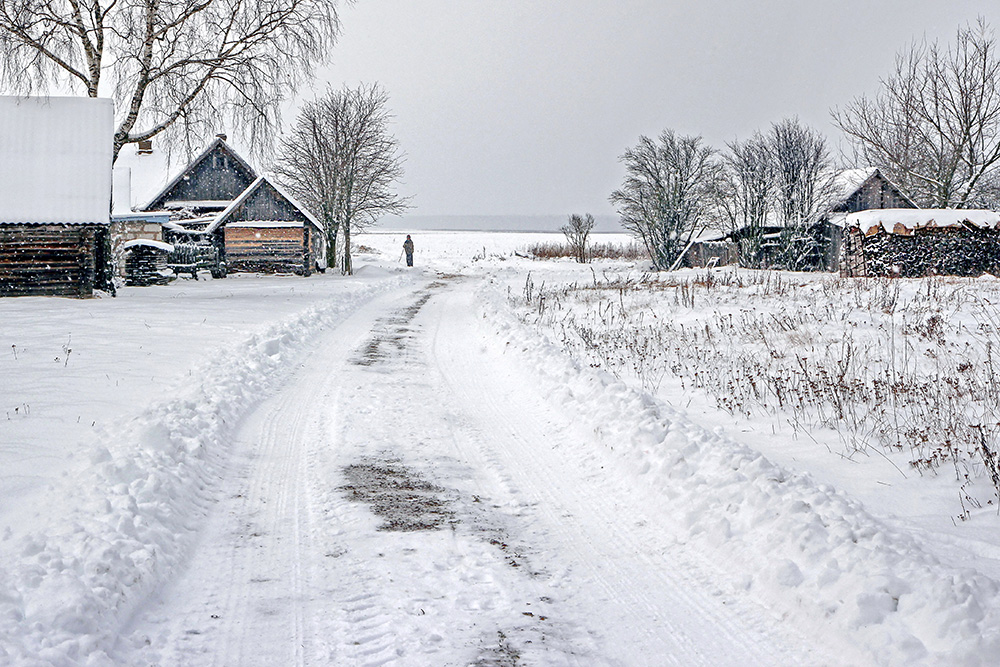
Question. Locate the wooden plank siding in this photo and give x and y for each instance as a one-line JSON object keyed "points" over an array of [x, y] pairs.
{"points": [[218, 174], [265, 249], [875, 192], [266, 231], [48, 260]]}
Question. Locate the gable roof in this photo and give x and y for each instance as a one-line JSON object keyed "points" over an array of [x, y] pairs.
{"points": [[262, 183], [849, 182], [55, 159], [219, 145]]}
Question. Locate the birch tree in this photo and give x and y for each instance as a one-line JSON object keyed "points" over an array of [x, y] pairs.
{"points": [[341, 161], [180, 67], [668, 193]]}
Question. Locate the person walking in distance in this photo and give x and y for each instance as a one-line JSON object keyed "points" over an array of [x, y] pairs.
{"points": [[408, 249]]}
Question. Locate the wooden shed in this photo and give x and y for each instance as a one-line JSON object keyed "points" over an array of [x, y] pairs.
{"points": [[866, 189], [909, 243], [814, 247], [55, 166], [265, 230]]}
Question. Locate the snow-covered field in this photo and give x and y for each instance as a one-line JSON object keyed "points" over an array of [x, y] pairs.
{"points": [[434, 467]]}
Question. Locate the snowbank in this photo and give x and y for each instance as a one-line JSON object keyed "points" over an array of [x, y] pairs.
{"points": [[134, 511], [806, 549]]}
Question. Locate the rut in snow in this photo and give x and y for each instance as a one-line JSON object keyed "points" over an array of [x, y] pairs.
{"points": [[390, 334]]}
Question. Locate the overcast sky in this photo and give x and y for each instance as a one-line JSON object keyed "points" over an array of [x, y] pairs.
{"points": [[521, 107]]}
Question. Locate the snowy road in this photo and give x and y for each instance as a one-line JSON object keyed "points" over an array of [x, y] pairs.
{"points": [[409, 497]]}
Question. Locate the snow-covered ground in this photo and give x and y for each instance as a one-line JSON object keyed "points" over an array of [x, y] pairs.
{"points": [[417, 467]]}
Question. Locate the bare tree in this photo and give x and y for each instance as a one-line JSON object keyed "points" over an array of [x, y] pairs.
{"points": [[934, 126], [341, 161], [668, 193], [803, 191], [178, 66], [803, 172], [746, 194], [576, 231]]}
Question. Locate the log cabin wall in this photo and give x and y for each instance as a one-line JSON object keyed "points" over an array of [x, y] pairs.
{"points": [[264, 249], [50, 260], [260, 230]]}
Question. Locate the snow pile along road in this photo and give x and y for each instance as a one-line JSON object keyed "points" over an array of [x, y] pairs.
{"points": [[68, 588], [804, 548]]}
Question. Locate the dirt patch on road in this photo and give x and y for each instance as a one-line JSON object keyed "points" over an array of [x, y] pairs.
{"points": [[390, 334], [398, 495]]}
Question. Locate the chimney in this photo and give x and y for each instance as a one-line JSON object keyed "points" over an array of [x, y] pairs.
{"points": [[145, 147], [221, 135]]}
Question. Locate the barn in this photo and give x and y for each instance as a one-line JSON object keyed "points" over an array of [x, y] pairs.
{"points": [[55, 166], [265, 230], [813, 247], [912, 243]]}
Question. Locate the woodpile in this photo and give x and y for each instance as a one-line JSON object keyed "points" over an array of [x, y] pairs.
{"points": [[146, 265]]}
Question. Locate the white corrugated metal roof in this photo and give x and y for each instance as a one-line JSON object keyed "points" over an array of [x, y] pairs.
{"points": [[55, 159]]}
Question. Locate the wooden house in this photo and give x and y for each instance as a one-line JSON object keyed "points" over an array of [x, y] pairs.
{"points": [[55, 167], [266, 230], [207, 185], [910, 243]]}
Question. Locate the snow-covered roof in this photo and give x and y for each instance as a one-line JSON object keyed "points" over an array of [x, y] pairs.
{"points": [[221, 218], [55, 159], [905, 220], [139, 176], [847, 181], [159, 245], [265, 224], [141, 216]]}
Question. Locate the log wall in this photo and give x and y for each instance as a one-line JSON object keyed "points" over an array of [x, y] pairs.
{"points": [[48, 260], [265, 249]]}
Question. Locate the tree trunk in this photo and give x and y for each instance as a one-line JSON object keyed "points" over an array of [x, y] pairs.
{"points": [[348, 268]]}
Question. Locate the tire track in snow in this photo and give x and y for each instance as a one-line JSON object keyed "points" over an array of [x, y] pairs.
{"points": [[459, 595], [297, 573], [249, 595], [614, 558]]}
